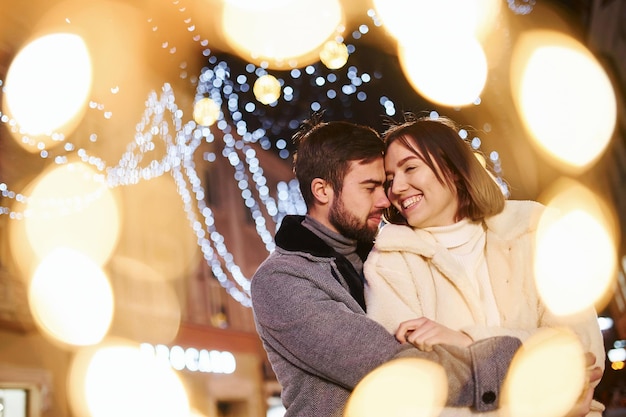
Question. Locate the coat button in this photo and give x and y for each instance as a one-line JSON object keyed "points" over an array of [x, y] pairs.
{"points": [[489, 397]]}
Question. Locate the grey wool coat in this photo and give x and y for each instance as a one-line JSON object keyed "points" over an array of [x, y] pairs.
{"points": [[320, 342]]}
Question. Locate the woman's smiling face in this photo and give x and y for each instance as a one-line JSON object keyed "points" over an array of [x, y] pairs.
{"points": [[413, 188]]}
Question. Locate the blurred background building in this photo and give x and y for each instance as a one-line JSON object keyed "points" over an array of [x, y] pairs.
{"points": [[145, 163]]}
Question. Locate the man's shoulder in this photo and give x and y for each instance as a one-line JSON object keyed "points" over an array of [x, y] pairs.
{"points": [[289, 262]]}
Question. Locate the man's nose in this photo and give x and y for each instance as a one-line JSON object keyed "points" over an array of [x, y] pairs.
{"points": [[382, 201]]}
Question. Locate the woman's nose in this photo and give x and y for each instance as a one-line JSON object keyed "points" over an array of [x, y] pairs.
{"points": [[398, 185]]}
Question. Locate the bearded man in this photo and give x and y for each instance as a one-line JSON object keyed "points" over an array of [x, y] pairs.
{"points": [[307, 296]]}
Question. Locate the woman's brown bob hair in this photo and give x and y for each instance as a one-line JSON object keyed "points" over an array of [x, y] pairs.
{"points": [[438, 144]]}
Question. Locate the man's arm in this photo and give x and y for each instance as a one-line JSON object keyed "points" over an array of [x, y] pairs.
{"points": [[475, 374], [320, 328]]}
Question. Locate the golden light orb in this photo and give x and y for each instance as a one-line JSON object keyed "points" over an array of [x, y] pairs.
{"points": [[576, 254], [71, 298], [546, 375], [403, 387], [206, 112], [334, 54], [556, 80], [280, 34], [47, 101], [266, 89], [117, 378]]}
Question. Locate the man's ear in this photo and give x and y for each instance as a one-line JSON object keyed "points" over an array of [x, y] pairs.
{"points": [[321, 190]]}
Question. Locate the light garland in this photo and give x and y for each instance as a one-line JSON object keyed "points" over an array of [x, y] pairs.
{"points": [[163, 120]]}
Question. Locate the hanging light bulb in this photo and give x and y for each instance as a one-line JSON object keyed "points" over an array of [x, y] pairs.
{"points": [[334, 54], [266, 89]]}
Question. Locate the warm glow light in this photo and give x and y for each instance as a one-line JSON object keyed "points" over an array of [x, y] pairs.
{"points": [[71, 206], [71, 299], [403, 387], [266, 89], [206, 112], [617, 366], [280, 33], [488, 12], [576, 254], [47, 87], [408, 20], [564, 97], [451, 72], [334, 54], [146, 305], [546, 376], [155, 240], [118, 380]]}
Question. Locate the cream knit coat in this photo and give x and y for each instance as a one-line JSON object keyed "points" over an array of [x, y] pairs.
{"points": [[409, 275]]}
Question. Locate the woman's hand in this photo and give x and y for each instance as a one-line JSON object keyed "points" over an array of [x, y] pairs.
{"points": [[423, 333], [594, 374]]}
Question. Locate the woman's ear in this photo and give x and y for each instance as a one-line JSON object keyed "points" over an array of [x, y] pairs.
{"points": [[321, 190]]}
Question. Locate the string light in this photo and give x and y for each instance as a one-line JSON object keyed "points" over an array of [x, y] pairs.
{"points": [[242, 122]]}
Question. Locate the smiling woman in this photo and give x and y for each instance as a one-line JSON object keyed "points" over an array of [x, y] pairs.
{"points": [[451, 267]]}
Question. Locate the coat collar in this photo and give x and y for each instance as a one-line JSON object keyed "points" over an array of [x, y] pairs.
{"points": [[294, 237]]}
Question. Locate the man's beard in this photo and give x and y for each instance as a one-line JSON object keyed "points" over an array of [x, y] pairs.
{"points": [[349, 225]]}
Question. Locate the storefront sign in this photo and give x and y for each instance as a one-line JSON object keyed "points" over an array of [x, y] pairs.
{"points": [[192, 359]]}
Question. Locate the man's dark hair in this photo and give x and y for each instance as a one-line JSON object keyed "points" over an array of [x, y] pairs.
{"points": [[326, 149]]}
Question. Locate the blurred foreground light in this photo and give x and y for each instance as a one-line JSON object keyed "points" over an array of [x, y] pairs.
{"points": [[155, 240], [576, 258], [403, 387], [71, 299], [448, 71], [47, 87], [546, 376], [616, 355], [564, 97], [605, 323], [408, 20], [146, 305], [195, 413], [117, 379], [280, 33], [69, 206], [266, 89], [206, 112], [334, 54]]}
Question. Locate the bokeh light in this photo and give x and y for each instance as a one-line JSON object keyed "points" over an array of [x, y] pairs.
{"points": [[451, 72], [71, 299], [146, 306], [206, 112], [47, 87], [408, 19], [546, 376], [564, 97], [576, 256], [117, 379], [334, 54], [163, 238], [280, 33], [69, 206], [266, 89], [403, 387]]}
